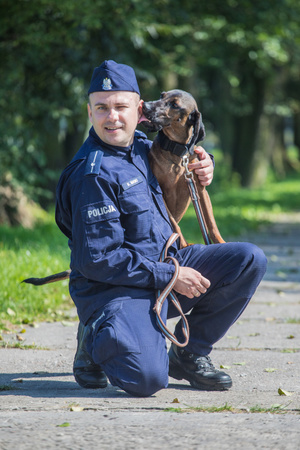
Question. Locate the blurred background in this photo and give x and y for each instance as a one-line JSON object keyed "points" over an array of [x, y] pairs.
{"points": [[240, 59]]}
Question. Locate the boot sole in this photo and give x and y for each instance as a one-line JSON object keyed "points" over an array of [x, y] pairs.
{"points": [[91, 386]]}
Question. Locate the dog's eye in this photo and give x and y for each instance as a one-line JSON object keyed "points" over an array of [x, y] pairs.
{"points": [[173, 104]]}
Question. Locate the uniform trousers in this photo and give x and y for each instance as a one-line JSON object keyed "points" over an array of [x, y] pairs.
{"points": [[126, 340]]}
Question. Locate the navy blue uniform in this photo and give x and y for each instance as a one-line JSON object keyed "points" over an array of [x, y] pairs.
{"points": [[110, 206]]}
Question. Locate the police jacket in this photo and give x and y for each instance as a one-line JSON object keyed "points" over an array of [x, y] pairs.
{"points": [[110, 207]]}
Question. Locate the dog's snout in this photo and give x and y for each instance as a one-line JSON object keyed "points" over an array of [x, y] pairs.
{"points": [[147, 106]]}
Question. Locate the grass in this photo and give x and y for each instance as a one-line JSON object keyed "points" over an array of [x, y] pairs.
{"points": [[20, 346], [274, 409], [6, 387], [43, 250], [240, 210], [25, 253], [211, 409]]}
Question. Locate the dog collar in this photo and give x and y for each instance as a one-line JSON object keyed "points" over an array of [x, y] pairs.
{"points": [[172, 146]]}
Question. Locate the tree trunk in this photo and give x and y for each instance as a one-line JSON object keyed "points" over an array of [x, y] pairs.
{"points": [[297, 132], [246, 134]]}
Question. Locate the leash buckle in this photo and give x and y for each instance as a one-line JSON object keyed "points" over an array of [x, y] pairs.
{"points": [[185, 162]]}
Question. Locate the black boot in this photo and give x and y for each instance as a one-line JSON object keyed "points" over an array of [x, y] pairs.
{"points": [[198, 370], [87, 373]]}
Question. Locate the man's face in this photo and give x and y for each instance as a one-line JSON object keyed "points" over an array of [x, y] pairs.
{"points": [[114, 116]]}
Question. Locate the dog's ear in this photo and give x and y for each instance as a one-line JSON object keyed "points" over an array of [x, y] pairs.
{"points": [[201, 134], [195, 119]]}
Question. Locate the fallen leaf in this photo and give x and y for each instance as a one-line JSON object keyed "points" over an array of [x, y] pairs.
{"points": [[65, 424], [281, 274], [240, 364], [277, 406], [282, 392], [270, 369], [23, 330], [290, 337], [20, 338], [281, 293], [76, 408], [175, 400], [224, 367], [67, 324]]}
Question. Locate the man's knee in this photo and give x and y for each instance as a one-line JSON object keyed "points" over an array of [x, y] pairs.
{"points": [[138, 376], [242, 266], [257, 258], [131, 350]]}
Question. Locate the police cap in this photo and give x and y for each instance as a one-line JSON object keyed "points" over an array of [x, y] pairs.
{"points": [[111, 76]]}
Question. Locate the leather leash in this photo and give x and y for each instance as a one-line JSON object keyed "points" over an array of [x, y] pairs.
{"points": [[181, 151], [189, 176], [168, 291]]}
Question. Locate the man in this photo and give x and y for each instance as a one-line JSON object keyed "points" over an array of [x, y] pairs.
{"points": [[110, 206]]}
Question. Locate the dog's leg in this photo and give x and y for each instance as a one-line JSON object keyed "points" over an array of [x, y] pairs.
{"points": [[176, 228], [207, 210], [208, 214]]}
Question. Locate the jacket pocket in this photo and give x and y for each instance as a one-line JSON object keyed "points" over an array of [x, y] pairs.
{"points": [[102, 227], [136, 216]]}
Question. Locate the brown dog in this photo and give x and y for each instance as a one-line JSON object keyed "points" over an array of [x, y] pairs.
{"points": [[175, 115], [177, 119]]}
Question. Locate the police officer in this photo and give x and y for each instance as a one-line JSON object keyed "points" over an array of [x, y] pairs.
{"points": [[110, 206]]}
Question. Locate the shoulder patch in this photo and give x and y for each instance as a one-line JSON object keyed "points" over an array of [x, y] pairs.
{"points": [[93, 163], [97, 212]]}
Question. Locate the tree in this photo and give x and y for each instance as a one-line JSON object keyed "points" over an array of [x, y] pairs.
{"points": [[239, 59]]}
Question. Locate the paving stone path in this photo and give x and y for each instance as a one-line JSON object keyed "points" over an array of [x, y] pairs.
{"points": [[42, 407]]}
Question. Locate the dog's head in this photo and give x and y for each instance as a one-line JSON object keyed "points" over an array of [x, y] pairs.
{"points": [[176, 113]]}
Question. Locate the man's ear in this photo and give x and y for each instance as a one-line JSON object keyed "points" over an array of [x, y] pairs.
{"points": [[140, 110], [89, 113]]}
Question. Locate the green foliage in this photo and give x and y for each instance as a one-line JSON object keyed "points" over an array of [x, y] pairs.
{"points": [[220, 51]]}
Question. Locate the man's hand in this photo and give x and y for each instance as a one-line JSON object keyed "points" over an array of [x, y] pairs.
{"points": [[191, 283], [204, 168]]}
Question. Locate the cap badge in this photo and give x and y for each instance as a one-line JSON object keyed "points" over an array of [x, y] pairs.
{"points": [[107, 85]]}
